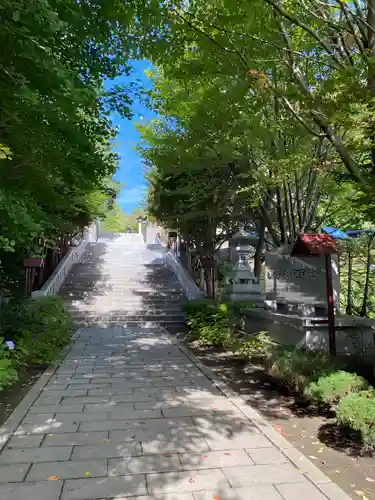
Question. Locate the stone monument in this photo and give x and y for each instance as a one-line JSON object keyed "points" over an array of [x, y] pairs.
{"points": [[297, 285], [243, 285]]}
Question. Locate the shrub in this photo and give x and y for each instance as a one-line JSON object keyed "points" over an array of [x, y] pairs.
{"points": [[296, 368], [203, 306], [333, 387], [235, 306], [8, 372], [252, 346], [41, 327], [211, 321], [358, 412], [219, 334]]}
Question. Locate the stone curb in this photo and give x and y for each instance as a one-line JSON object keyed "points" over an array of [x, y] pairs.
{"points": [[307, 468], [19, 413]]}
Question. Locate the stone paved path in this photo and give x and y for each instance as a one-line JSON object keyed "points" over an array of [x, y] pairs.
{"points": [[130, 414]]}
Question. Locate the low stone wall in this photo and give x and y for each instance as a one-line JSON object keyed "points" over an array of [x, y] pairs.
{"points": [[353, 335]]}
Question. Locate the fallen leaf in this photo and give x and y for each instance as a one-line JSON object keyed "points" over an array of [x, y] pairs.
{"points": [[88, 474], [107, 441], [191, 480], [53, 478], [216, 497], [227, 453]]}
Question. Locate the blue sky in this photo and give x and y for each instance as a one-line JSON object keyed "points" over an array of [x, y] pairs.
{"points": [[131, 171]]}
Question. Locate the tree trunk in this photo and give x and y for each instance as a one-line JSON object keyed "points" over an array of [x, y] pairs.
{"points": [[349, 301], [363, 312], [259, 250]]}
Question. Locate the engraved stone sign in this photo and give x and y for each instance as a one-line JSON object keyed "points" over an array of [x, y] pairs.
{"points": [[299, 281]]}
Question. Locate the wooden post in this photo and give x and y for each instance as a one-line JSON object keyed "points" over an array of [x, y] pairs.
{"points": [[330, 306]]}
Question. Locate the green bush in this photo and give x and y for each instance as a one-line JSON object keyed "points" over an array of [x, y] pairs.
{"points": [[212, 322], [235, 306], [296, 368], [203, 306], [219, 334], [333, 387], [41, 327], [251, 346], [8, 372], [358, 412]]}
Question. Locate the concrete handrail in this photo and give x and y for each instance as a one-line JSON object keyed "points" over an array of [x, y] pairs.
{"points": [[190, 289], [57, 278]]}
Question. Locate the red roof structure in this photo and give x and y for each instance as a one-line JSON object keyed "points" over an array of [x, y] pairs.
{"points": [[314, 244]]}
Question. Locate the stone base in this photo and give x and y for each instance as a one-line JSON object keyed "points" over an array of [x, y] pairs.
{"points": [[353, 335], [253, 297]]}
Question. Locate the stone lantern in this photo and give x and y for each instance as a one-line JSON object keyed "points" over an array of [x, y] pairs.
{"points": [[243, 285]]}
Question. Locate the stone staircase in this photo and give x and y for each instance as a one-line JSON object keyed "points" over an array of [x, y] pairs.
{"points": [[121, 281]]}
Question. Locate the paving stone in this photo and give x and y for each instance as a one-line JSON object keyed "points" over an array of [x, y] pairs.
{"points": [[29, 491], [112, 425], [47, 428], [170, 482], [13, 473], [120, 413], [25, 441], [76, 438], [212, 459], [153, 447], [108, 406], [139, 435], [144, 464], [45, 399], [38, 418], [101, 489], [86, 400], [65, 394], [298, 491], [60, 408], [30, 455], [168, 496], [82, 416], [74, 469], [71, 381], [262, 474], [252, 493], [55, 386], [106, 450], [89, 387], [264, 456], [237, 441], [107, 391]]}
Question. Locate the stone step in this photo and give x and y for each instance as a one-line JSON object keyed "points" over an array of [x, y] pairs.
{"points": [[125, 309], [159, 301], [126, 319], [122, 288], [130, 283]]}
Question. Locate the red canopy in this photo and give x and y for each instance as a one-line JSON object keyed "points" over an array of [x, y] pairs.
{"points": [[315, 244]]}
